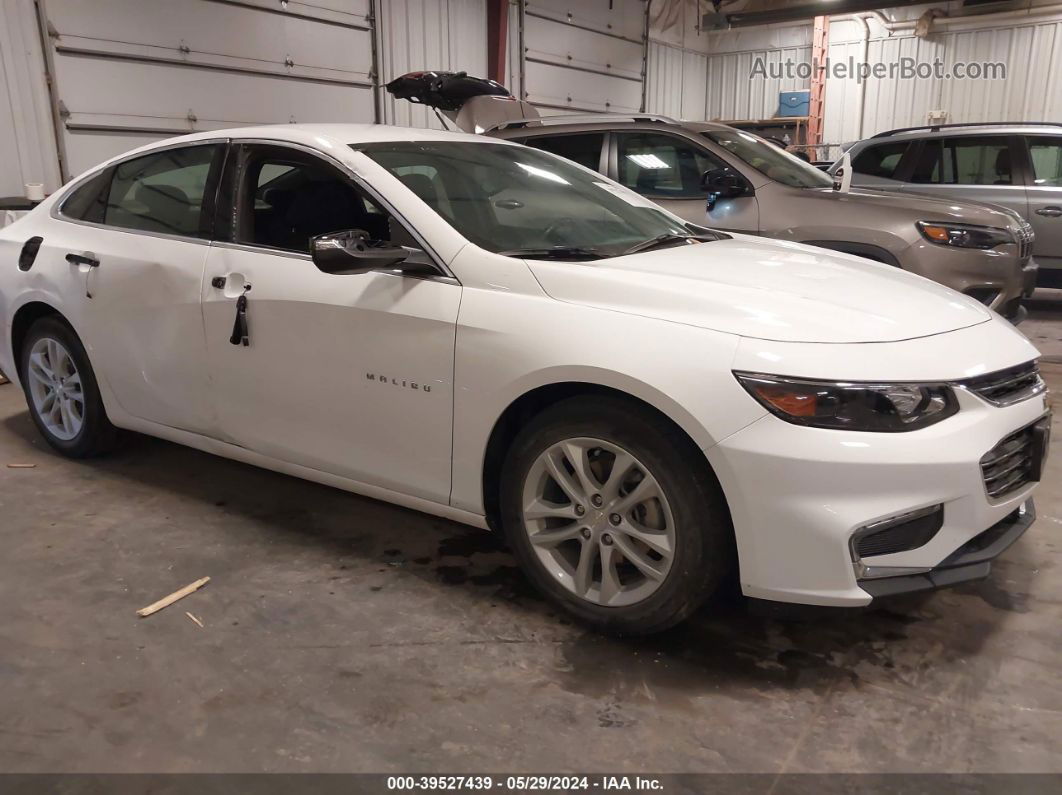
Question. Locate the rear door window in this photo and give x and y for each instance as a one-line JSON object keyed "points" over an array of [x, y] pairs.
{"points": [[582, 148], [164, 191], [970, 160], [881, 160]]}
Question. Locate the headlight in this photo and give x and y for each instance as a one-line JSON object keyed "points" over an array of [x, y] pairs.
{"points": [[964, 235], [849, 406]]}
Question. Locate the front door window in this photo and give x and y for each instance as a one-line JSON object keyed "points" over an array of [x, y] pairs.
{"points": [[663, 166]]}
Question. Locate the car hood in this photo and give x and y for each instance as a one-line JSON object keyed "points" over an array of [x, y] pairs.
{"points": [[932, 208], [765, 289]]}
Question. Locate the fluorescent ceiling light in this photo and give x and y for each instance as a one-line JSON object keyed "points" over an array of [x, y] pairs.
{"points": [[535, 171], [648, 161]]}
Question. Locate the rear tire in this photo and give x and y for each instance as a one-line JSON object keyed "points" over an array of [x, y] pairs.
{"points": [[62, 392], [634, 540]]}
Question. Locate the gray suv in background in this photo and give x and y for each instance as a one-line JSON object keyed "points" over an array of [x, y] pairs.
{"points": [[721, 177], [733, 180], [1017, 165]]}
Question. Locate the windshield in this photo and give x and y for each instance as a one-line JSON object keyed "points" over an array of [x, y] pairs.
{"points": [[517, 200], [769, 160]]}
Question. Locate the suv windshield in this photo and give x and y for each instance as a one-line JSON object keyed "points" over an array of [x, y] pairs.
{"points": [[523, 202], [769, 160]]}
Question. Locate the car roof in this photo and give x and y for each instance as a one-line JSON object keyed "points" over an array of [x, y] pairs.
{"points": [[958, 130], [315, 136], [554, 124]]}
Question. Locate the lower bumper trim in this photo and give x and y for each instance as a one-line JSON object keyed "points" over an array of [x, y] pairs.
{"points": [[971, 561]]}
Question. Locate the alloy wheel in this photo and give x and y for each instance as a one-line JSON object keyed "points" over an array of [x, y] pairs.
{"points": [[599, 521], [55, 388]]}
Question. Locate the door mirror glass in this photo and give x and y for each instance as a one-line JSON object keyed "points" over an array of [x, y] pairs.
{"points": [[724, 183], [352, 252]]}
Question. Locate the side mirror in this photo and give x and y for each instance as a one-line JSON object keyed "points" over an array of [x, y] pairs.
{"points": [[842, 177], [724, 183], [353, 252]]}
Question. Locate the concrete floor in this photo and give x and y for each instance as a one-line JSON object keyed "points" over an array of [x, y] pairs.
{"points": [[343, 634]]}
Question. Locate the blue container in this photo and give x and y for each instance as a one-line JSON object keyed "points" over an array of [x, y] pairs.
{"points": [[794, 103]]}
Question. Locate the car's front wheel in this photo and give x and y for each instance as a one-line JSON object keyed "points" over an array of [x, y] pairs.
{"points": [[61, 391], [613, 517]]}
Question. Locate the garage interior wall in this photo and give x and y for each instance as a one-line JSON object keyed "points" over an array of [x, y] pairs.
{"points": [[1030, 48], [130, 72], [686, 64], [29, 153], [428, 34], [583, 56], [696, 75]]}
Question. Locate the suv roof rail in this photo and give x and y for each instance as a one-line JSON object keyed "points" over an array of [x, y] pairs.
{"points": [[935, 127], [589, 118]]}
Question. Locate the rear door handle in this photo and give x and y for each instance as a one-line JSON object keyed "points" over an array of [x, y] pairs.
{"points": [[1050, 212], [82, 259]]}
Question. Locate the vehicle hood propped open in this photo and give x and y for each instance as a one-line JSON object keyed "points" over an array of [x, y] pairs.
{"points": [[473, 104]]}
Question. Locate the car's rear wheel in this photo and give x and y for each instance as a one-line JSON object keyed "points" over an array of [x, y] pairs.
{"points": [[613, 517], [61, 391]]}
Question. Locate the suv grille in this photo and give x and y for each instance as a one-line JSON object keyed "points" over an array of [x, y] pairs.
{"points": [[1005, 387], [1014, 462], [1025, 241]]}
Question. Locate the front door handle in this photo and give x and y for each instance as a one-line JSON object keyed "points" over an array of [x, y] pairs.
{"points": [[1050, 212], [82, 259]]}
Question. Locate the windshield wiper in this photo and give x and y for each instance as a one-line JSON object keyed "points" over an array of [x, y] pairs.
{"points": [[667, 237], [556, 252]]}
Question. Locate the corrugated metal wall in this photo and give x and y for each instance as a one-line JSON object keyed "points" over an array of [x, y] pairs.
{"points": [[1032, 90], [706, 75], [428, 34], [677, 82], [1031, 49], [733, 94]]}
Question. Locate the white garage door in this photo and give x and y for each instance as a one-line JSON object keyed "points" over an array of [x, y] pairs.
{"points": [[127, 72], [585, 55]]}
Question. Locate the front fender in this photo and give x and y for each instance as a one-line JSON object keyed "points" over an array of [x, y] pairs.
{"points": [[509, 345]]}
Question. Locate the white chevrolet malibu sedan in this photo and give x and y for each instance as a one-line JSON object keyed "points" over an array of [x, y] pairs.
{"points": [[492, 334]]}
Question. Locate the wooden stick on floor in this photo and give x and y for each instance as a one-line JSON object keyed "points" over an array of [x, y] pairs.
{"points": [[166, 601]]}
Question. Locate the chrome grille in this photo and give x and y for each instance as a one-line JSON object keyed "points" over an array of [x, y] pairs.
{"points": [[1025, 241], [1015, 462], [1006, 387]]}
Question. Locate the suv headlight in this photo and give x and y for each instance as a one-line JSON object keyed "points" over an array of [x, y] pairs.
{"points": [[843, 405], [964, 235]]}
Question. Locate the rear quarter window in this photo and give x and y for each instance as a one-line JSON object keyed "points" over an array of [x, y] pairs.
{"points": [[88, 201]]}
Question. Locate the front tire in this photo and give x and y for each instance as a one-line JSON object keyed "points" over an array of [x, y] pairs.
{"points": [[614, 515], [62, 392]]}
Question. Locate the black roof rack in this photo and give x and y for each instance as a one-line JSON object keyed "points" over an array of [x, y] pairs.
{"points": [[935, 127]]}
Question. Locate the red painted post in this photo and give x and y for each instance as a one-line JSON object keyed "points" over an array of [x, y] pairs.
{"points": [[497, 35]]}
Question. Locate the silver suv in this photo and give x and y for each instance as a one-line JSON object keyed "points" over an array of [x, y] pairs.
{"points": [[728, 179], [1014, 164]]}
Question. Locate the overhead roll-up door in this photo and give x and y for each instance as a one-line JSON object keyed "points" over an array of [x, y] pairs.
{"points": [[584, 55], [127, 72]]}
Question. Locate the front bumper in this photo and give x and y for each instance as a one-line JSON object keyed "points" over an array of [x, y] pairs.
{"points": [[997, 278], [1030, 272], [971, 561], [798, 496]]}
